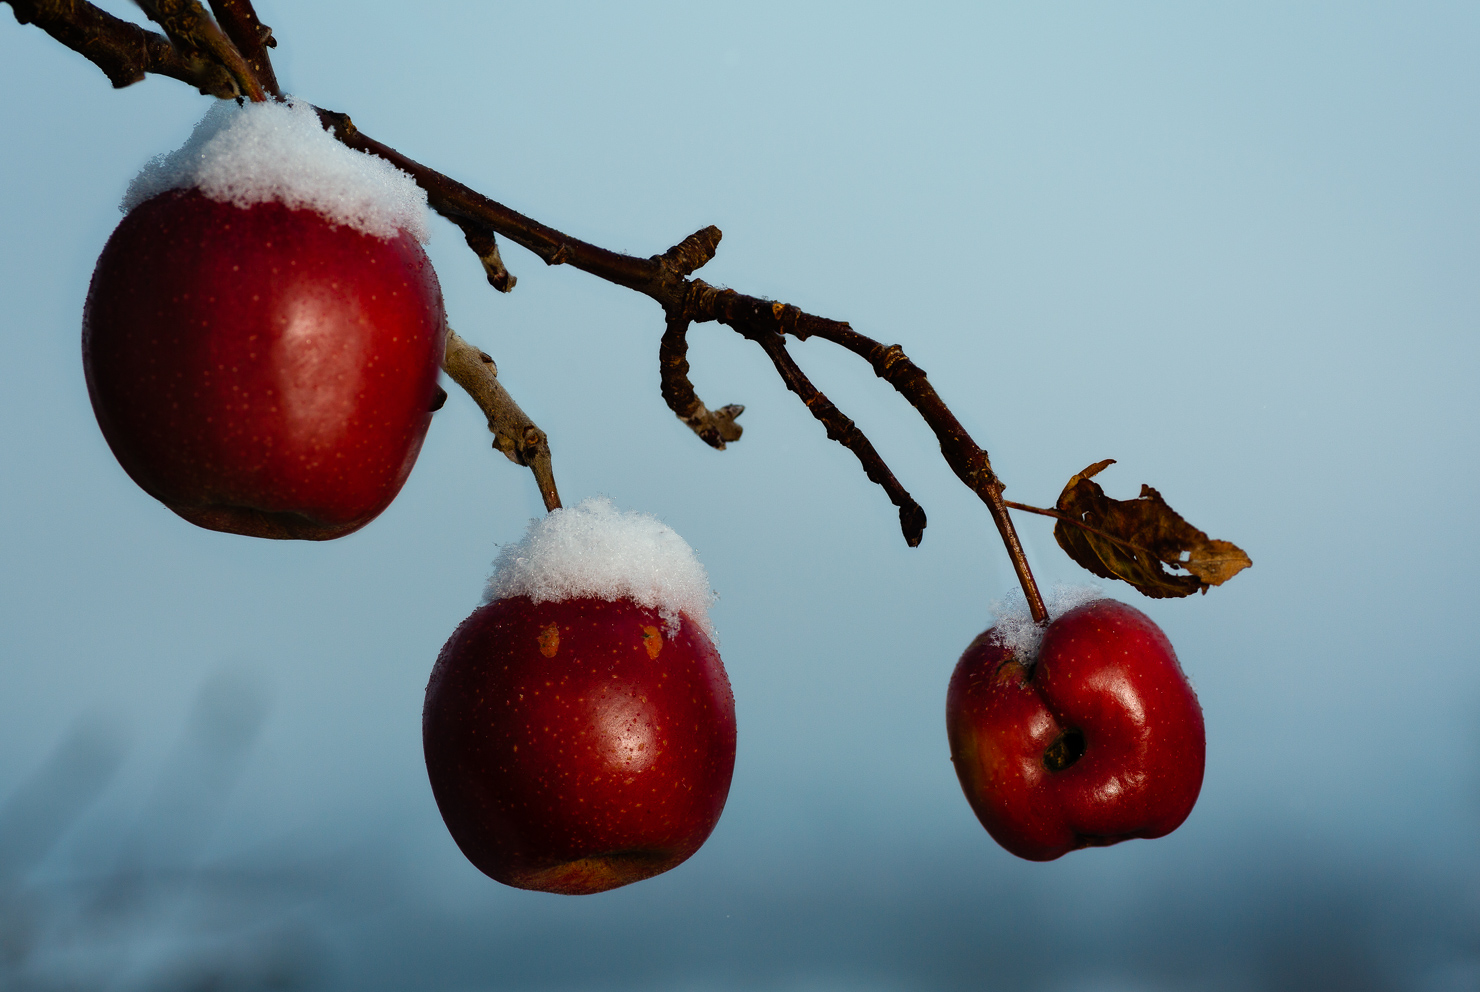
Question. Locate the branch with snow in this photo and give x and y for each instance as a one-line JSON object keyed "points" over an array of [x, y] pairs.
{"points": [[665, 278]]}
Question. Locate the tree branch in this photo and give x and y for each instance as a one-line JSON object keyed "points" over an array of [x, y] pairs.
{"points": [[123, 50], [187, 24], [965, 457], [251, 37], [664, 278], [469, 209], [845, 432]]}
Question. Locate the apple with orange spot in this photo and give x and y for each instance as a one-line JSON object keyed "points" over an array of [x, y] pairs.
{"points": [[580, 743]]}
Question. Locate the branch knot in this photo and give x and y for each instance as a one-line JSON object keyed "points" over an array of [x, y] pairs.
{"points": [[693, 252]]}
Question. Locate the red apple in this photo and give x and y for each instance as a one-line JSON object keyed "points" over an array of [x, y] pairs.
{"points": [[578, 745], [262, 370], [1096, 740]]}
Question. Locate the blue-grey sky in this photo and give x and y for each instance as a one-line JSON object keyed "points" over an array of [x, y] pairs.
{"points": [[1234, 246]]}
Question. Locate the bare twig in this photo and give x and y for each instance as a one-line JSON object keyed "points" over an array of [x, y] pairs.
{"points": [[845, 432], [513, 432], [664, 279], [693, 252], [251, 37], [123, 50], [187, 24], [485, 246], [967, 459], [714, 427], [470, 209]]}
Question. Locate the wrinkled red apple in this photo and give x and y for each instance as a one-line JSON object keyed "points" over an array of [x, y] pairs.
{"points": [[578, 745], [261, 370], [1096, 740]]}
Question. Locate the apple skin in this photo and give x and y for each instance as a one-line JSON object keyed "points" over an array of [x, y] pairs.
{"points": [[260, 370], [1106, 675], [577, 746]]}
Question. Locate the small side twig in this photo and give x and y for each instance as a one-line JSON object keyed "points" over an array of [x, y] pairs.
{"points": [[251, 37], [692, 253], [714, 427], [845, 432], [485, 246], [192, 30], [965, 457], [513, 432]]}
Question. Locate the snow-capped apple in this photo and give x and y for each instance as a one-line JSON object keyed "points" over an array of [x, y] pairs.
{"points": [[263, 332], [1089, 737], [579, 727]]}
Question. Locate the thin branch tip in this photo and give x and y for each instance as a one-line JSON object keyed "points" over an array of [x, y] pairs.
{"points": [[194, 33], [715, 428], [252, 39], [485, 246]]}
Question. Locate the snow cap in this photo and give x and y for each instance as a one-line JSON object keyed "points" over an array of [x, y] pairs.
{"points": [[276, 151], [1014, 628], [593, 549]]}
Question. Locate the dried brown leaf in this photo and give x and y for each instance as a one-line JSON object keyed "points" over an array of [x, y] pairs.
{"points": [[1141, 540]]}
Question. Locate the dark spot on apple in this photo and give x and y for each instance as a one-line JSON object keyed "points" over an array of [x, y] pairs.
{"points": [[1063, 752], [1013, 670]]}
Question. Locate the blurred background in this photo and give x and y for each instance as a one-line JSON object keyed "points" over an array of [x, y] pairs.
{"points": [[1235, 246]]}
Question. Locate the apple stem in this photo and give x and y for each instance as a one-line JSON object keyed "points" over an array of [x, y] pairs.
{"points": [[514, 433], [998, 508]]}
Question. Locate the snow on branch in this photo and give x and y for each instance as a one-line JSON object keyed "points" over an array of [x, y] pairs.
{"points": [[231, 59]]}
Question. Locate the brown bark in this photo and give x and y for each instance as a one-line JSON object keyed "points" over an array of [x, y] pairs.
{"points": [[666, 278]]}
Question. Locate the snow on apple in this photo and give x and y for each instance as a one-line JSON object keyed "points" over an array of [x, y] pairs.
{"points": [[263, 332], [280, 153], [595, 550], [579, 727], [1014, 627]]}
